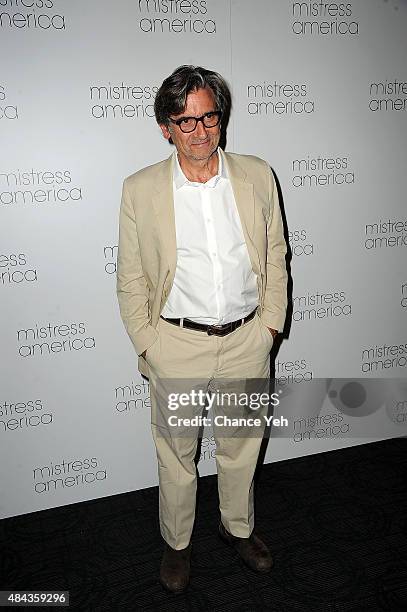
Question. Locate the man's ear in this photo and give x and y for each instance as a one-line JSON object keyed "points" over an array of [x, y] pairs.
{"points": [[165, 131]]}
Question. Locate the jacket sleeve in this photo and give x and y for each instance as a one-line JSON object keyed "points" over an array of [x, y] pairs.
{"points": [[132, 289], [275, 296]]}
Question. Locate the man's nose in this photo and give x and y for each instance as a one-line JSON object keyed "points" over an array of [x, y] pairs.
{"points": [[200, 130]]}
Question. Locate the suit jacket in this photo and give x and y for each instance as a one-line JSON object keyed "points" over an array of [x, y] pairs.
{"points": [[147, 244]]}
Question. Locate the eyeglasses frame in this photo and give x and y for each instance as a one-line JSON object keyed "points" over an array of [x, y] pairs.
{"points": [[197, 119]]}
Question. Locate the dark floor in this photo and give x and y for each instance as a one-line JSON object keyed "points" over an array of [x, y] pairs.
{"points": [[336, 524]]}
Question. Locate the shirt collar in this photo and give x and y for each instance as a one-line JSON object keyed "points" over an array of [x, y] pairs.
{"points": [[180, 179]]}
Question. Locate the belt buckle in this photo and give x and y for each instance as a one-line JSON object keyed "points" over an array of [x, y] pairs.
{"points": [[213, 330]]}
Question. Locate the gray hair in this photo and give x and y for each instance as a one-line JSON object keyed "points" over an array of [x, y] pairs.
{"points": [[172, 95]]}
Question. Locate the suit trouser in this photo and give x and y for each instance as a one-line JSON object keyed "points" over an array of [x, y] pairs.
{"points": [[191, 355]]}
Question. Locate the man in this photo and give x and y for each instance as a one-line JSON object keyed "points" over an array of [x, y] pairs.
{"points": [[202, 293]]}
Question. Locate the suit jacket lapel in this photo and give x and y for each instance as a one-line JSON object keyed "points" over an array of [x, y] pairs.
{"points": [[163, 203], [244, 196]]}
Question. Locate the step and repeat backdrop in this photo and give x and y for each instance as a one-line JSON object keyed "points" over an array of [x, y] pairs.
{"points": [[320, 92]]}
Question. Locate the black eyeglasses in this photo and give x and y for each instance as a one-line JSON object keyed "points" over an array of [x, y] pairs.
{"points": [[188, 124]]}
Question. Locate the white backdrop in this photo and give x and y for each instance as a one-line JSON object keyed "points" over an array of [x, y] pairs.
{"points": [[319, 90]]}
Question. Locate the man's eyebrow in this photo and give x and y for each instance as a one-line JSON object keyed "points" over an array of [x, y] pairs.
{"points": [[194, 116]]}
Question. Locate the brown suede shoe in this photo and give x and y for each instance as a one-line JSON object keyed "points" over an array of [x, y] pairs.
{"points": [[252, 550], [175, 567]]}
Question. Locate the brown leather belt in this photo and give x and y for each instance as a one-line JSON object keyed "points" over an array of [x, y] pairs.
{"points": [[212, 330]]}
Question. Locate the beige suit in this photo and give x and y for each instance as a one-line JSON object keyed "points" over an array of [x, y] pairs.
{"points": [[147, 244], [145, 273]]}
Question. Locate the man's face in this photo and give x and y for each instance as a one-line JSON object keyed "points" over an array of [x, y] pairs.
{"points": [[203, 141]]}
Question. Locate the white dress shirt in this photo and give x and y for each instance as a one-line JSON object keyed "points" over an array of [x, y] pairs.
{"points": [[214, 281]]}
